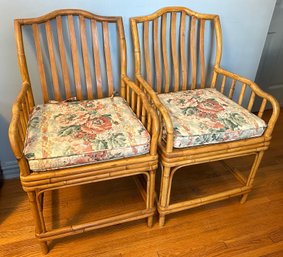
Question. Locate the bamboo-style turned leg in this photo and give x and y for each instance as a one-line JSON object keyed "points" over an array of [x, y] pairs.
{"points": [[161, 220], [151, 196], [150, 221], [251, 177], [39, 202], [164, 190], [36, 216]]}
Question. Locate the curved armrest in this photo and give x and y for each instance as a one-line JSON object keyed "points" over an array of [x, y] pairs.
{"points": [[165, 116], [18, 125], [145, 112], [255, 91]]}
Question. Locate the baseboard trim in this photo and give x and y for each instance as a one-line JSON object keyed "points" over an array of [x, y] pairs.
{"points": [[10, 170]]}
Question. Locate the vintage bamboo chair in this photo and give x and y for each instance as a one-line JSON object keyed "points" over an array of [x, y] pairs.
{"points": [[98, 136], [205, 110]]}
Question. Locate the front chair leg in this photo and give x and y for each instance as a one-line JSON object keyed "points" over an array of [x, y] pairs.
{"points": [[164, 193], [36, 215], [252, 174]]}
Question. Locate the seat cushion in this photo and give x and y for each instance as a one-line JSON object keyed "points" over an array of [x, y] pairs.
{"points": [[205, 116], [66, 134]]}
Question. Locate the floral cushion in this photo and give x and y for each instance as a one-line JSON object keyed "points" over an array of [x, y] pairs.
{"points": [[205, 116], [75, 133]]}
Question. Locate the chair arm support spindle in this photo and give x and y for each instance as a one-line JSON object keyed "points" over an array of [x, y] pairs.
{"points": [[19, 122], [162, 110], [150, 113]]}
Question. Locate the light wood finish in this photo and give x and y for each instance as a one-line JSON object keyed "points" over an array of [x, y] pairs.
{"points": [[156, 55], [173, 159], [193, 51], [224, 229], [70, 27], [66, 79], [37, 184], [183, 51]]}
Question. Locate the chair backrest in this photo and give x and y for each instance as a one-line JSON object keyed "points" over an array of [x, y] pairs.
{"points": [[79, 54], [176, 48]]}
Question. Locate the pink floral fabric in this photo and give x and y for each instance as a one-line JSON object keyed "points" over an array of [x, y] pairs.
{"points": [[205, 116], [76, 133]]}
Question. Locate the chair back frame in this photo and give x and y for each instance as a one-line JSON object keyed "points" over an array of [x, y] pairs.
{"points": [[74, 36], [175, 52]]}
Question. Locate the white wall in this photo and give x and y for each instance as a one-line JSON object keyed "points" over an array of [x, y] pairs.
{"points": [[244, 24]]}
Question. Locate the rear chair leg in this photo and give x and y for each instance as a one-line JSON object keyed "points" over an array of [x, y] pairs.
{"points": [[251, 177], [150, 221]]}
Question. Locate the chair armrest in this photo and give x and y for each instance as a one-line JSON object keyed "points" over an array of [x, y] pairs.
{"points": [[256, 91], [18, 125], [145, 112], [164, 114]]}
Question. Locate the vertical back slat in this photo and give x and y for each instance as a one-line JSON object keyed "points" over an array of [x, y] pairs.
{"points": [[74, 50], [64, 66], [146, 52], [156, 55], [107, 57], [54, 74], [40, 62], [183, 51], [164, 52], [85, 58], [201, 49], [96, 58], [193, 51], [174, 51]]}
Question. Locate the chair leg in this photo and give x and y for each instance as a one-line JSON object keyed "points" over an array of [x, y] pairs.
{"points": [[36, 215], [150, 221], [164, 193], [252, 174], [161, 220], [151, 194]]}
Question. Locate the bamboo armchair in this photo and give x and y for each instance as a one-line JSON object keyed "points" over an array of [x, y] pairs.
{"points": [[177, 49], [78, 50]]}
